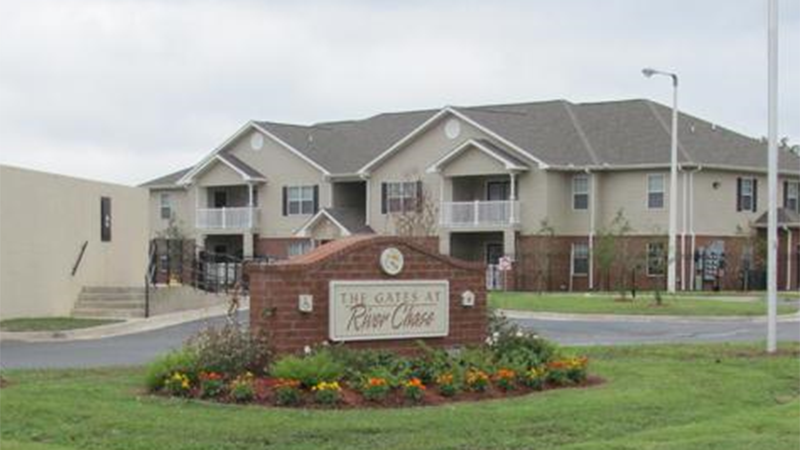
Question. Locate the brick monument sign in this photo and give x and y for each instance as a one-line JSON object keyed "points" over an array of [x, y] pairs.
{"points": [[369, 291]]}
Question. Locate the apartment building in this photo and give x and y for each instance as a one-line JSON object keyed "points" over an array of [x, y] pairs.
{"points": [[575, 194]]}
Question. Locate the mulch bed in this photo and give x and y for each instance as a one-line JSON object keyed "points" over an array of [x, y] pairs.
{"points": [[350, 398]]}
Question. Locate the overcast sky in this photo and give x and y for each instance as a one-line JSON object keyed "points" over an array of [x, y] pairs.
{"points": [[126, 91]]}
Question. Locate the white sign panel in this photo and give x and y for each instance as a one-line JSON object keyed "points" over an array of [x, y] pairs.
{"points": [[369, 310]]}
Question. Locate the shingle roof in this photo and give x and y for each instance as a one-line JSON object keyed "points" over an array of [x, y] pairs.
{"points": [[241, 165], [786, 217], [353, 219], [166, 180], [560, 133]]}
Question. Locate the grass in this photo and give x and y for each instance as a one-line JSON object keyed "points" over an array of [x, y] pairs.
{"points": [[643, 305], [656, 397], [51, 323]]}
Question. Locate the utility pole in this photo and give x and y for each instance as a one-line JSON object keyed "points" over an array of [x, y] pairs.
{"points": [[772, 178]]}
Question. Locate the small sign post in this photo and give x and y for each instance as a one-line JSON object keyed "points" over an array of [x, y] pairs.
{"points": [[504, 265]]}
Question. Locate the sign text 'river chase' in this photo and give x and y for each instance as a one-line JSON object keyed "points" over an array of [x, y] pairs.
{"points": [[380, 309]]}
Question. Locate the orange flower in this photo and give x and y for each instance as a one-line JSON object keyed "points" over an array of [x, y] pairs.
{"points": [[376, 382], [287, 383], [505, 374], [415, 383]]}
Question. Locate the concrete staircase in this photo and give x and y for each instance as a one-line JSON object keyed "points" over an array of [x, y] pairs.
{"points": [[110, 302]]}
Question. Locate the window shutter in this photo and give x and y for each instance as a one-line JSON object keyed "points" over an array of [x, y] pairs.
{"points": [[738, 194], [285, 201], [383, 198], [420, 197], [786, 194], [316, 198], [755, 194]]}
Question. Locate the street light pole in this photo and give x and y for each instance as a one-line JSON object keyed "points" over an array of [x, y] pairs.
{"points": [[772, 176], [673, 181]]}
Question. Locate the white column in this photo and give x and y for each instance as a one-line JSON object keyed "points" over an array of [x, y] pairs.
{"points": [[513, 196], [250, 205], [441, 200], [476, 219], [772, 177], [684, 179]]}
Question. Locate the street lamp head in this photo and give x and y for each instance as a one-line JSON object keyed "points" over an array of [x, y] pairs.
{"points": [[648, 72]]}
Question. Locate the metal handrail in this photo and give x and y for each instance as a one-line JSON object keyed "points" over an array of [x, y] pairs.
{"points": [[80, 258]]}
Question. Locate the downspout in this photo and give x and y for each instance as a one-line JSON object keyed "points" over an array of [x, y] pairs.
{"points": [[685, 183], [692, 232], [591, 227]]}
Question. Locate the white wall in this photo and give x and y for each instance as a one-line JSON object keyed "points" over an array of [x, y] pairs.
{"points": [[44, 220]]}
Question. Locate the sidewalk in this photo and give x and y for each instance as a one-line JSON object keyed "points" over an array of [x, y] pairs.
{"points": [[567, 317], [130, 326]]}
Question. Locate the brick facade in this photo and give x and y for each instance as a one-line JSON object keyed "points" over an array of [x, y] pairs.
{"points": [[535, 271], [275, 288]]}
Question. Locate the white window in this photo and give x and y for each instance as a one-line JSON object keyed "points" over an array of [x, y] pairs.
{"points": [[580, 259], [580, 191], [401, 196], [166, 205], [792, 199], [656, 259], [299, 247], [300, 200], [746, 189], [655, 191]]}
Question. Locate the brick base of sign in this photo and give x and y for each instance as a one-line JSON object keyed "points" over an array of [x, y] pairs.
{"points": [[275, 291]]}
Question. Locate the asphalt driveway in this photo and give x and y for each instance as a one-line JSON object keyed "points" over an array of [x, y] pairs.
{"points": [[136, 349]]}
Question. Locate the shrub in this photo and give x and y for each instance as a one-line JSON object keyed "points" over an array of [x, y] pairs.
{"points": [[360, 364], [504, 379], [183, 361], [477, 380], [231, 350], [212, 384], [242, 388], [534, 377], [477, 358], [326, 393], [178, 384], [414, 389], [576, 368], [287, 392], [309, 370], [517, 348], [447, 385], [375, 388]]}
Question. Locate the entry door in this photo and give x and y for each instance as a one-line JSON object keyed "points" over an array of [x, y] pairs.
{"points": [[494, 251], [497, 190]]}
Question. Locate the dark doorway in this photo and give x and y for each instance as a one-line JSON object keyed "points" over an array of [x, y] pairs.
{"points": [[497, 190]]}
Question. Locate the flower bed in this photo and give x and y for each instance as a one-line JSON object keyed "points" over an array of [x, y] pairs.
{"points": [[510, 363]]}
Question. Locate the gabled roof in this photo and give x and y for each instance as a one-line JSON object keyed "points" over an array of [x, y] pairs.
{"points": [[167, 181], [351, 221], [244, 169], [504, 157], [786, 218], [556, 134]]}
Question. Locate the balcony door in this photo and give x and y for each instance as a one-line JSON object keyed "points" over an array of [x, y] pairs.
{"points": [[220, 199], [497, 190]]}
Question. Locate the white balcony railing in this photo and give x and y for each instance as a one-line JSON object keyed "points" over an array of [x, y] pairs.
{"points": [[480, 213], [227, 218]]}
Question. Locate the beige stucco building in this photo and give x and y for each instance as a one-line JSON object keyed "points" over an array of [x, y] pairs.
{"points": [[59, 234], [522, 180]]}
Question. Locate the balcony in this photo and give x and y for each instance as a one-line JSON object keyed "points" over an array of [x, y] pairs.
{"points": [[239, 218], [480, 214]]}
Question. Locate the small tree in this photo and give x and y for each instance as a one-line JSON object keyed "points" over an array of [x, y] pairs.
{"points": [[611, 249], [420, 221], [544, 269]]}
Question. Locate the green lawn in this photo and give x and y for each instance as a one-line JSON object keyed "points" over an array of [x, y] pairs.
{"points": [[725, 397], [644, 304], [51, 323]]}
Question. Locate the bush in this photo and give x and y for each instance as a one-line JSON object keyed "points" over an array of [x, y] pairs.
{"points": [[534, 377], [505, 379], [447, 384], [183, 361], [326, 393], [231, 350], [212, 385], [514, 347], [363, 364], [287, 392], [375, 388], [414, 389], [178, 384], [309, 370], [477, 380], [243, 388]]}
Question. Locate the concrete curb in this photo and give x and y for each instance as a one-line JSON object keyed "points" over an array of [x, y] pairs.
{"points": [[516, 314], [130, 326]]}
